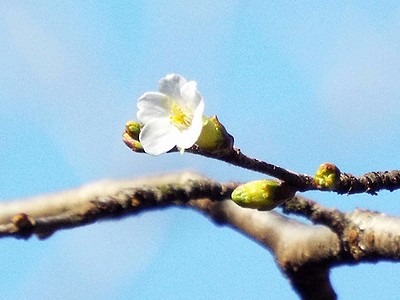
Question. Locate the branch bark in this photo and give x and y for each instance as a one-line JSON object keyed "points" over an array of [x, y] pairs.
{"points": [[304, 253], [42, 215], [369, 183]]}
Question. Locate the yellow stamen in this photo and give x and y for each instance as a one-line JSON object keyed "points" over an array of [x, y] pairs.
{"points": [[179, 118]]}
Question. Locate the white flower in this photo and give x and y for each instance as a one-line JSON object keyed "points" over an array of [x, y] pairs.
{"points": [[171, 117]]}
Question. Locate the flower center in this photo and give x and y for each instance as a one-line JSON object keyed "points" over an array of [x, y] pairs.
{"points": [[180, 119]]}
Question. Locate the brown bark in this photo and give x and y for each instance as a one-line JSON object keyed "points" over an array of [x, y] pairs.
{"points": [[304, 253]]}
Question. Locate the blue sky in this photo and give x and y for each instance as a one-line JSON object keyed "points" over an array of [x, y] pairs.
{"points": [[296, 84]]}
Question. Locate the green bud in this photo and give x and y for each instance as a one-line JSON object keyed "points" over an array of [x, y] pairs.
{"points": [[131, 136], [262, 194], [214, 137], [133, 128], [327, 176]]}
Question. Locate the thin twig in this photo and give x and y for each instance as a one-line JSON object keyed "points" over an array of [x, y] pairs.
{"points": [[370, 183], [235, 157]]}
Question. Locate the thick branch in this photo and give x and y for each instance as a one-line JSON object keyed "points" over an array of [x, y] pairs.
{"points": [[304, 253], [365, 235], [45, 214]]}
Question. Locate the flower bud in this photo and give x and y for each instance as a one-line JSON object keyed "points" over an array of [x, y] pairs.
{"points": [[262, 194], [133, 128], [131, 136], [327, 176], [214, 137]]}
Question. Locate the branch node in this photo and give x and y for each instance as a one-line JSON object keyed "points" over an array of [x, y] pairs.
{"points": [[24, 225]]}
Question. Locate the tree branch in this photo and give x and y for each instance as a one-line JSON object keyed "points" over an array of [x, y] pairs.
{"points": [[365, 235], [43, 215], [305, 253], [369, 183]]}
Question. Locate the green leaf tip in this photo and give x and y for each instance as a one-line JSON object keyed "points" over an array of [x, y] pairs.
{"points": [[263, 194], [327, 176]]}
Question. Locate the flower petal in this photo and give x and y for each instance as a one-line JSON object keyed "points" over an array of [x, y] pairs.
{"points": [[153, 105], [188, 137], [158, 136], [191, 95], [171, 85], [177, 99]]}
